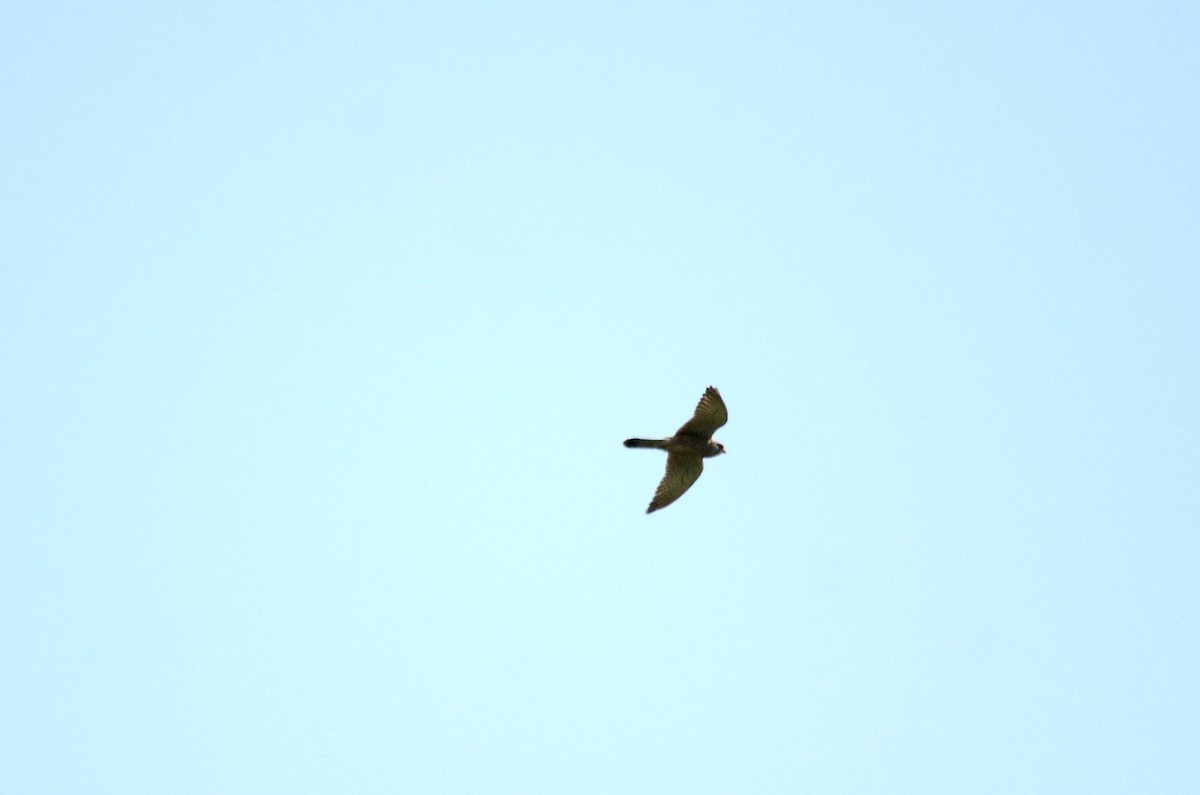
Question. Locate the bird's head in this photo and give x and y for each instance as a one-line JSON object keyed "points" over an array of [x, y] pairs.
{"points": [[715, 448]]}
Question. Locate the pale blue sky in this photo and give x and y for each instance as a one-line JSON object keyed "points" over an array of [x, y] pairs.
{"points": [[322, 326]]}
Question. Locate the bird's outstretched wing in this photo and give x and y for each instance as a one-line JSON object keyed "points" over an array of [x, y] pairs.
{"points": [[710, 415], [682, 471]]}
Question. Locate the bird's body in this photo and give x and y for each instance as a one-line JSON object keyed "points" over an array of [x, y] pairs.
{"points": [[692, 445], [687, 449]]}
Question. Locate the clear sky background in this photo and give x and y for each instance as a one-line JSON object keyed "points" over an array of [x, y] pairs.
{"points": [[322, 326]]}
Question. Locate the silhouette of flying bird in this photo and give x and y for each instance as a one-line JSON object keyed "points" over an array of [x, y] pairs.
{"points": [[687, 449]]}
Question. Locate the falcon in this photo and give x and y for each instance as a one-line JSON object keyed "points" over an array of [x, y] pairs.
{"points": [[687, 449]]}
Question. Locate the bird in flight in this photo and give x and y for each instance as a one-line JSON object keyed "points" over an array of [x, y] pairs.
{"points": [[687, 449]]}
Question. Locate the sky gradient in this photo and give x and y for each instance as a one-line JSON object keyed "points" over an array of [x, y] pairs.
{"points": [[322, 326]]}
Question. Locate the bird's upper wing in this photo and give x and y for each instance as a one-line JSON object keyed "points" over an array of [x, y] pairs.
{"points": [[710, 415], [682, 471]]}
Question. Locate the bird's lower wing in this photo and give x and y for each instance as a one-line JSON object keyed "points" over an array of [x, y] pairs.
{"points": [[682, 471]]}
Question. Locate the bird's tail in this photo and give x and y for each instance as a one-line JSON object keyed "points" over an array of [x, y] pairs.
{"points": [[657, 444]]}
